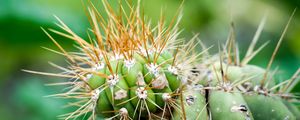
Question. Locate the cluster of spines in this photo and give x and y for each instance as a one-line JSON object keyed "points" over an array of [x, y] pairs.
{"points": [[128, 68], [243, 91]]}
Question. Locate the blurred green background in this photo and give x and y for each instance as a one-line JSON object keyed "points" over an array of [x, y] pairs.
{"points": [[21, 38]]}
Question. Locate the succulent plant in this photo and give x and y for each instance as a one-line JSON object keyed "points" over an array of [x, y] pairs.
{"points": [[128, 69]]}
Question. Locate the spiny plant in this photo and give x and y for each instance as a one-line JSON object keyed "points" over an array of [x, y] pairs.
{"points": [[128, 69]]}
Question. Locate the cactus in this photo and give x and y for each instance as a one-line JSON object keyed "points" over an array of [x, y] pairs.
{"points": [[128, 69]]}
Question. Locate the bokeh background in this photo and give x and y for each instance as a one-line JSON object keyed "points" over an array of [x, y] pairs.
{"points": [[22, 94]]}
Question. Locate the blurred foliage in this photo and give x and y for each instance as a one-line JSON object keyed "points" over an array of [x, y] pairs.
{"points": [[21, 38], [29, 98]]}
